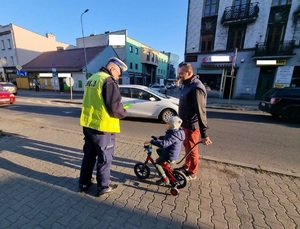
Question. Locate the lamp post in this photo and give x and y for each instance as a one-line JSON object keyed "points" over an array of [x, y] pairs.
{"points": [[83, 40]]}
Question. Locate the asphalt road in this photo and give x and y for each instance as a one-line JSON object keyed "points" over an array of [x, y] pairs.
{"points": [[248, 138]]}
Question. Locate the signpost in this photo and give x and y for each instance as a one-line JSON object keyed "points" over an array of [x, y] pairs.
{"points": [[54, 77], [232, 73], [19, 68], [70, 83]]}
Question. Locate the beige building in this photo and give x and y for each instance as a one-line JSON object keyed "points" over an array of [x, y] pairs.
{"points": [[18, 46]]}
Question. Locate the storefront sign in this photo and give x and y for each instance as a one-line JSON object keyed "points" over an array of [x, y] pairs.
{"points": [[284, 76], [217, 58], [270, 62]]}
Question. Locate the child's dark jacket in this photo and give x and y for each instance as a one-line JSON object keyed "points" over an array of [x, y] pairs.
{"points": [[171, 143]]}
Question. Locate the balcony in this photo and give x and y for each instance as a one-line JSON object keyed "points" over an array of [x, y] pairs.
{"points": [[239, 14], [283, 49]]}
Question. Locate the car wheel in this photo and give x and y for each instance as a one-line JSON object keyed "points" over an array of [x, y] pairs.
{"points": [[291, 115], [166, 114]]}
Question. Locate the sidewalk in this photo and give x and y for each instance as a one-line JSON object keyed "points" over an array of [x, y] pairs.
{"points": [[39, 183]]}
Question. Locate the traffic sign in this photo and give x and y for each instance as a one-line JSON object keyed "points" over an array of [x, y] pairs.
{"points": [[70, 81], [19, 67], [21, 73]]}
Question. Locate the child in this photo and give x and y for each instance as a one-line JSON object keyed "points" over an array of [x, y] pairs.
{"points": [[169, 146]]}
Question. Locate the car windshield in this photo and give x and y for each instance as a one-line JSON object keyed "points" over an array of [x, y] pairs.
{"points": [[158, 93]]}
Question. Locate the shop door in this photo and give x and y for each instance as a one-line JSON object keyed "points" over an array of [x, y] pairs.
{"points": [[265, 81], [229, 85]]}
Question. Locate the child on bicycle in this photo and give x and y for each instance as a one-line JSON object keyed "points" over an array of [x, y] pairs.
{"points": [[169, 146]]}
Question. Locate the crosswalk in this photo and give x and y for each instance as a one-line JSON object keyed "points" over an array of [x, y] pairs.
{"points": [[48, 102]]}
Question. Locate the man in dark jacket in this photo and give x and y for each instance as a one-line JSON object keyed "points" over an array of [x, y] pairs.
{"points": [[192, 111]]}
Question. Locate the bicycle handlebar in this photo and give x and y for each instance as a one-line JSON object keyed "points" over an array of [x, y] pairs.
{"points": [[197, 143]]}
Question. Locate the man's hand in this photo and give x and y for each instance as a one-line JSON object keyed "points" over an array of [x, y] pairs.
{"points": [[206, 141]]}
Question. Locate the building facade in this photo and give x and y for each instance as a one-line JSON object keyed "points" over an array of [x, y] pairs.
{"points": [[18, 48], [241, 49], [146, 65]]}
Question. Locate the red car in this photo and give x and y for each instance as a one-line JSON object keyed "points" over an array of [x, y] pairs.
{"points": [[6, 97]]}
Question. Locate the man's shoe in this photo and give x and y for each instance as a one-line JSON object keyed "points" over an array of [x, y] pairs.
{"points": [[163, 181], [111, 188], [192, 177], [85, 187]]}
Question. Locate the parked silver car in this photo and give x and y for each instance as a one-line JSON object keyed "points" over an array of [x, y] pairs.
{"points": [[159, 88], [10, 87], [147, 103]]}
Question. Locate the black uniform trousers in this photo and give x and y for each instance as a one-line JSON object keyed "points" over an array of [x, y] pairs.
{"points": [[98, 146]]}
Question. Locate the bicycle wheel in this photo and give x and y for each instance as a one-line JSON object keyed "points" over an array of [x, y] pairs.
{"points": [[181, 180], [141, 170]]}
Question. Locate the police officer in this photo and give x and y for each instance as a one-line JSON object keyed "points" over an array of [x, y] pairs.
{"points": [[100, 117]]}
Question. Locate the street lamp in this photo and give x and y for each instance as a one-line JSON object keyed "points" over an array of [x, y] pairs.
{"points": [[83, 40]]}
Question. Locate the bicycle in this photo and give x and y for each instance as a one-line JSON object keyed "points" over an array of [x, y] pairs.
{"points": [[178, 179]]}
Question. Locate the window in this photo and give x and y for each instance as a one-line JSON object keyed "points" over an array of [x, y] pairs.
{"points": [[148, 56], [130, 48], [207, 42], [2, 43], [12, 60], [125, 92], [136, 51], [140, 94], [240, 2], [130, 65], [236, 37], [281, 2], [5, 61], [8, 44], [136, 66], [211, 7], [275, 35]]}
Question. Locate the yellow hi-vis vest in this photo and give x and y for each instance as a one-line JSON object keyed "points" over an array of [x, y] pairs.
{"points": [[94, 113]]}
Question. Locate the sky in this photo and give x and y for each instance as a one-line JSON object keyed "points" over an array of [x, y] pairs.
{"points": [[160, 24]]}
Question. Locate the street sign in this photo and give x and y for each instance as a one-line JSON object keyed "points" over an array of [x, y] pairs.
{"points": [[19, 67], [70, 81], [21, 73]]}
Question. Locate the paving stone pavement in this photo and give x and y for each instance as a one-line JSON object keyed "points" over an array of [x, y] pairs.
{"points": [[39, 170]]}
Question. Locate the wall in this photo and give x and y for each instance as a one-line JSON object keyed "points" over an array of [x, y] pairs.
{"points": [[28, 50]]}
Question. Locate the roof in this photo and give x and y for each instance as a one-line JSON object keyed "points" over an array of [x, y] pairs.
{"points": [[70, 60]]}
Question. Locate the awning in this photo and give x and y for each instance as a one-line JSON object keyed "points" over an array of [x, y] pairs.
{"points": [[209, 71]]}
